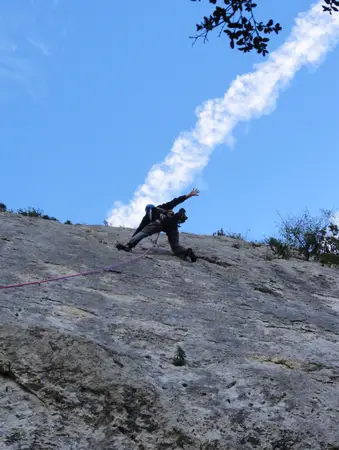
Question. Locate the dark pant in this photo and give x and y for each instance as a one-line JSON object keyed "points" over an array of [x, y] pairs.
{"points": [[173, 239], [156, 227], [149, 230]]}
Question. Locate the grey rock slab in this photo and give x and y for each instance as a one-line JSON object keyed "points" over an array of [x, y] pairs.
{"points": [[87, 362]]}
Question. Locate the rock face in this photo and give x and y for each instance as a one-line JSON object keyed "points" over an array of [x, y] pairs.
{"points": [[87, 363]]}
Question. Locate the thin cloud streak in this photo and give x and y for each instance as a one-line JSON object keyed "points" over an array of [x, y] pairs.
{"points": [[40, 46], [249, 97], [29, 34]]}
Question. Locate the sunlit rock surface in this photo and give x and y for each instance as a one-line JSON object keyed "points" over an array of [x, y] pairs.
{"points": [[87, 363]]}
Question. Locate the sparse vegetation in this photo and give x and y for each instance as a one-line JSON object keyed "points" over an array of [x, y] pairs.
{"points": [[279, 248], [179, 358], [304, 236], [257, 244], [219, 233], [229, 234], [309, 237], [233, 235], [46, 217], [305, 233], [35, 212], [28, 212], [68, 222], [329, 259]]}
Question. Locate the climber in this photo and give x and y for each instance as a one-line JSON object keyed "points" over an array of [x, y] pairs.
{"points": [[162, 218]]}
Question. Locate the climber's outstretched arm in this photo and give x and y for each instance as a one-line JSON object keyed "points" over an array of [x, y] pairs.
{"points": [[176, 201]]}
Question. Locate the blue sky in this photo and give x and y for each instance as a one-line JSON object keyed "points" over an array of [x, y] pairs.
{"points": [[92, 96]]}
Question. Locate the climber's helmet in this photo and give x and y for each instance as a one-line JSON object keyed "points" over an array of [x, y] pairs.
{"points": [[149, 207]]}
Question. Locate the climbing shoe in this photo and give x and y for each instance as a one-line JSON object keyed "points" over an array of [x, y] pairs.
{"points": [[190, 254], [126, 247]]}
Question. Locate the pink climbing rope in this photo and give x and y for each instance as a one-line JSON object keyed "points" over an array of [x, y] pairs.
{"points": [[79, 274]]}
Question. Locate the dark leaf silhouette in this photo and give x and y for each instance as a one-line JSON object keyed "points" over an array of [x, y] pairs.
{"points": [[239, 15]]}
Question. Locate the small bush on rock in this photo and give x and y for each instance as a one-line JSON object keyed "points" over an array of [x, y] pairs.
{"points": [[30, 212], [179, 357], [305, 233], [35, 212], [279, 248], [229, 234], [219, 233], [308, 236], [329, 259]]}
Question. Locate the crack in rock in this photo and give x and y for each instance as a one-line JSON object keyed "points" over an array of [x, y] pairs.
{"points": [[215, 260], [7, 372]]}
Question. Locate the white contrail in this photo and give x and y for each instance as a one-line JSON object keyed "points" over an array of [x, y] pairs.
{"points": [[249, 96]]}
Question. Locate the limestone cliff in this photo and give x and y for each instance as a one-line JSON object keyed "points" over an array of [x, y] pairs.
{"points": [[87, 363]]}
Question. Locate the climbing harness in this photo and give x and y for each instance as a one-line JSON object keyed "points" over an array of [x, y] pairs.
{"points": [[160, 213], [90, 272]]}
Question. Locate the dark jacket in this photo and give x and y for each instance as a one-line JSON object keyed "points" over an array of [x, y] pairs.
{"points": [[155, 214]]}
